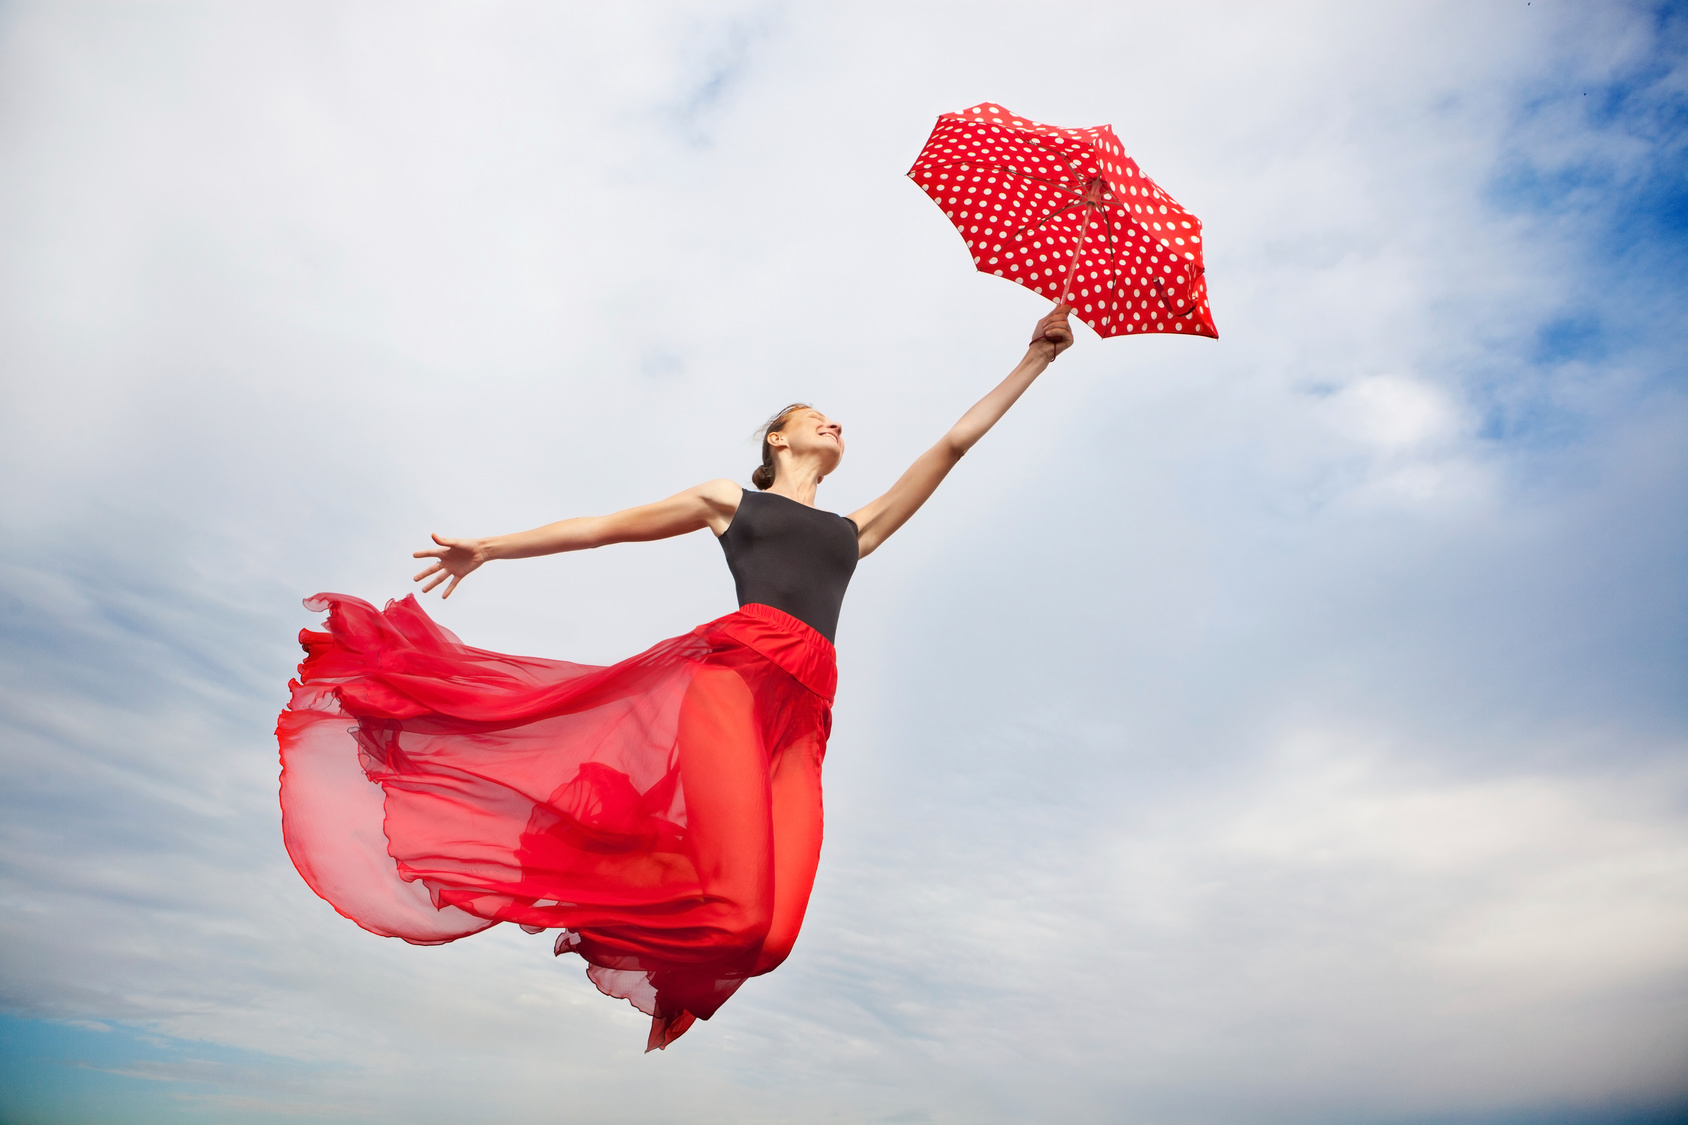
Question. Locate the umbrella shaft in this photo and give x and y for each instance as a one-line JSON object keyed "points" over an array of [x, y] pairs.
{"points": [[1066, 290]]}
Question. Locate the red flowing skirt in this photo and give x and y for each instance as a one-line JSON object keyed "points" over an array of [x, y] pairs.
{"points": [[664, 813]]}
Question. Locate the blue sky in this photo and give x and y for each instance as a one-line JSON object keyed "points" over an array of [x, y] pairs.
{"points": [[1283, 728]]}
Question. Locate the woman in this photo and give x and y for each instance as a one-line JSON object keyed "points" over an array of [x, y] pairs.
{"points": [[663, 813]]}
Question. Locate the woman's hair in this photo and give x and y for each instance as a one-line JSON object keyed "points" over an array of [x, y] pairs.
{"points": [[763, 477]]}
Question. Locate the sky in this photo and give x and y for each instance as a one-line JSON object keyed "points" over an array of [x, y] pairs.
{"points": [[1282, 728]]}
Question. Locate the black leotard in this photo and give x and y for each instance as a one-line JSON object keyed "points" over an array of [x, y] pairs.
{"points": [[791, 556]]}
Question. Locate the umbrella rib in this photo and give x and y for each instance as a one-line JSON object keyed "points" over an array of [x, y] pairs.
{"points": [[1033, 138], [1165, 294], [1108, 240], [1113, 253], [1155, 282], [1060, 186], [1078, 196], [1006, 172], [1046, 218]]}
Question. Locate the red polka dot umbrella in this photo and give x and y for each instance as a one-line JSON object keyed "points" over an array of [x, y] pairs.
{"points": [[1067, 213]]}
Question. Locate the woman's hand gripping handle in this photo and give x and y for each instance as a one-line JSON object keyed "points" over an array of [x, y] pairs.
{"points": [[1053, 335]]}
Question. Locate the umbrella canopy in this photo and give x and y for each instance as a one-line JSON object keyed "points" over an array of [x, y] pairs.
{"points": [[1067, 213]]}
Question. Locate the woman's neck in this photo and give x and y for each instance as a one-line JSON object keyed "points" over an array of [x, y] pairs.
{"points": [[797, 483]]}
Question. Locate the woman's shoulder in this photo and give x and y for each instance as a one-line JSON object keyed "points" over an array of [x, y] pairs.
{"points": [[722, 491], [720, 499]]}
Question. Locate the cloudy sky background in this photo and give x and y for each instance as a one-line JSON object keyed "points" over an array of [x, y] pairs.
{"points": [[1283, 728]]}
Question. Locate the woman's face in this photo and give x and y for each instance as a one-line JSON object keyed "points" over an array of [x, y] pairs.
{"points": [[809, 433]]}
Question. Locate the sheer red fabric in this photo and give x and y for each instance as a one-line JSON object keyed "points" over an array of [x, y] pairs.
{"points": [[664, 813]]}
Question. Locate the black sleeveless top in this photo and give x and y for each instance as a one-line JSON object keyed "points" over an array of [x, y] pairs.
{"points": [[791, 556]]}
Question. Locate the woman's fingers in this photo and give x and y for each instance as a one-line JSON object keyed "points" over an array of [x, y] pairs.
{"points": [[1055, 328], [1053, 322], [452, 559]]}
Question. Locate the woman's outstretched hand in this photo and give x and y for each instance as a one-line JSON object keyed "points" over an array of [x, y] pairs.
{"points": [[1054, 331], [453, 559]]}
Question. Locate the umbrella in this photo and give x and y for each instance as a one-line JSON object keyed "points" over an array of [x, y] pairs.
{"points": [[1067, 213]]}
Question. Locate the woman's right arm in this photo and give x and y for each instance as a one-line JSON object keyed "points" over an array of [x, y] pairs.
{"points": [[710, 505]]}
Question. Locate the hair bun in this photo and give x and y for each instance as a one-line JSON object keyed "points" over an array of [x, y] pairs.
{"points": [[763, 477]]}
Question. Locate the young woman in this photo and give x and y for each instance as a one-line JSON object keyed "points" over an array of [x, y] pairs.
{"points": [[664, 813]]}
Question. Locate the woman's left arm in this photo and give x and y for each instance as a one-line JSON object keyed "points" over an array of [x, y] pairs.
{"points": [[876, 522]]}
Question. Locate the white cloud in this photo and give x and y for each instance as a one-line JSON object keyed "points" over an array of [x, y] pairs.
{"points": [[1392, 414]]}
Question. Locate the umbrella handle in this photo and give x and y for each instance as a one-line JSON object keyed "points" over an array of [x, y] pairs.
{"points": [[1066, 290]]}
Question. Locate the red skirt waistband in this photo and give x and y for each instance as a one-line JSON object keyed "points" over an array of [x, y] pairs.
{"points": [[792, 645]]}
